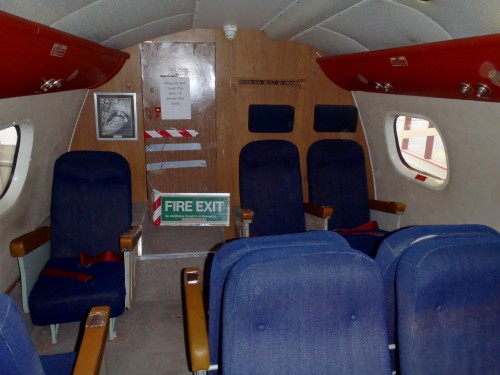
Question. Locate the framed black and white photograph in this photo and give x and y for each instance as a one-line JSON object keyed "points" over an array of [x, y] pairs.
{"points": [[116, 116]]}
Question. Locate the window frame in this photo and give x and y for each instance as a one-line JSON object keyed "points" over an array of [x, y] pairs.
{"points": [[411, 173], [22, 161], [14, 159]]}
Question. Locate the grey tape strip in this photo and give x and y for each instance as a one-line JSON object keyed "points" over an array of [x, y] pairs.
{"points": [[176, 164], [173, 147]]}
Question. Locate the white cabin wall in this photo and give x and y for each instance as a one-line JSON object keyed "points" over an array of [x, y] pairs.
{"points": [[54, 117], [471, 132]]}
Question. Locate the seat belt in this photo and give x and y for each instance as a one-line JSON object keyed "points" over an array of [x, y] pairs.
{"points": [[85, 261], [370, 228], [107, 256], [83, 277]]}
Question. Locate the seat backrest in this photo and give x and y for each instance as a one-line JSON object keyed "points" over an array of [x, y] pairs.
{"points": [[17, 353], [231, 252], [294, 309], [91, 203], [448, 306], [336, 176], [271, 186], [397, 243]]}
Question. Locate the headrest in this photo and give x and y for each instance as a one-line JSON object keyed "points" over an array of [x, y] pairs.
{"points": [[335, 118], [270, 118]]}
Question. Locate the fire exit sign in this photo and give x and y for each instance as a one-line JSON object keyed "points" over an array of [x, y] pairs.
{"points": [[193, 208]]}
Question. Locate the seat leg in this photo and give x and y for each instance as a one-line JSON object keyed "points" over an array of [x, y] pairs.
{"points": [[54, 328], [112, 330]]}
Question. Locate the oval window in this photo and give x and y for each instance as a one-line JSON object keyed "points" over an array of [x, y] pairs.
{"points": [[9, 147], [420, 149], [16, 143]]}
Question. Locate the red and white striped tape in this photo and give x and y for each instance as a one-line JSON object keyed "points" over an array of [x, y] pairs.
{"points": [[170, 133], [157, 209]]}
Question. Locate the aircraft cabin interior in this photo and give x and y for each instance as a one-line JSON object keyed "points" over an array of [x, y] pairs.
{"points": [[249, 187]]}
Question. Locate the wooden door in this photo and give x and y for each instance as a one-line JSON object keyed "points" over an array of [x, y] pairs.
{"points": [[180, 152]]}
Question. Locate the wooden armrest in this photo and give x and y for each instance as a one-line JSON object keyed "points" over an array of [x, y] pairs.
{"points": [[245, 214], [129, 239], [397, 208], [28, 242], [89, 359], [323, 212], [195, 319]]}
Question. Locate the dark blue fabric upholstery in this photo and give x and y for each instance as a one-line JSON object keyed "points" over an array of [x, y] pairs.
{"points": [[335, 118], [304, 308], [270, 118], [107, 287], [91, 207], [394, 245], [448, 306], [271, 186], [59, 364], [336, 175], [17, 352], [91, 203], [230, 253]]}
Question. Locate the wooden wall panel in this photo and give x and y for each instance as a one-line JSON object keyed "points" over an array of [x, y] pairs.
{"points": [[251, 55], [128, 80], [197, 62]]}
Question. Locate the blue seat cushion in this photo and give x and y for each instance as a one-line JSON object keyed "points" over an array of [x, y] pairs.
{"points": [[56, 300], [59, 364], [270, 118], [230, 253], [337, 177], [91, 203], [335, 118], [17, 352], [271, 186]]}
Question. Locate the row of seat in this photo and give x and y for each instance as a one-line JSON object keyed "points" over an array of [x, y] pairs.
{"points": [[429, 303], [271, 188]]}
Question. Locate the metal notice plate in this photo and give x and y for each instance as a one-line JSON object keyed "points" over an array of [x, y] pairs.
{"points": [[96, 319]]}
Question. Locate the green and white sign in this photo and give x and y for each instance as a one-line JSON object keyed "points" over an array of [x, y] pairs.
{"points": [[195, 209]]}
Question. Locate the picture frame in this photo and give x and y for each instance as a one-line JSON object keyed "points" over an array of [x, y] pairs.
{"points": [[115, 116]]}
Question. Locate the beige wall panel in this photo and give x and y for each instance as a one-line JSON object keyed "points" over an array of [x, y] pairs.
{"points": [[470, 132], [53, 116]]}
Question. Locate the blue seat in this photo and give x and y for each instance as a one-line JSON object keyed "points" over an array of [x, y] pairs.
{"points": [[336, 176], [18, 355], [396, 244], [295, 303], [91, 214], [271, 187], [448, 306]]}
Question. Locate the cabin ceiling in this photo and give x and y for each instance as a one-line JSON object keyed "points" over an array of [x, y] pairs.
{"points": [[333, 27]]}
